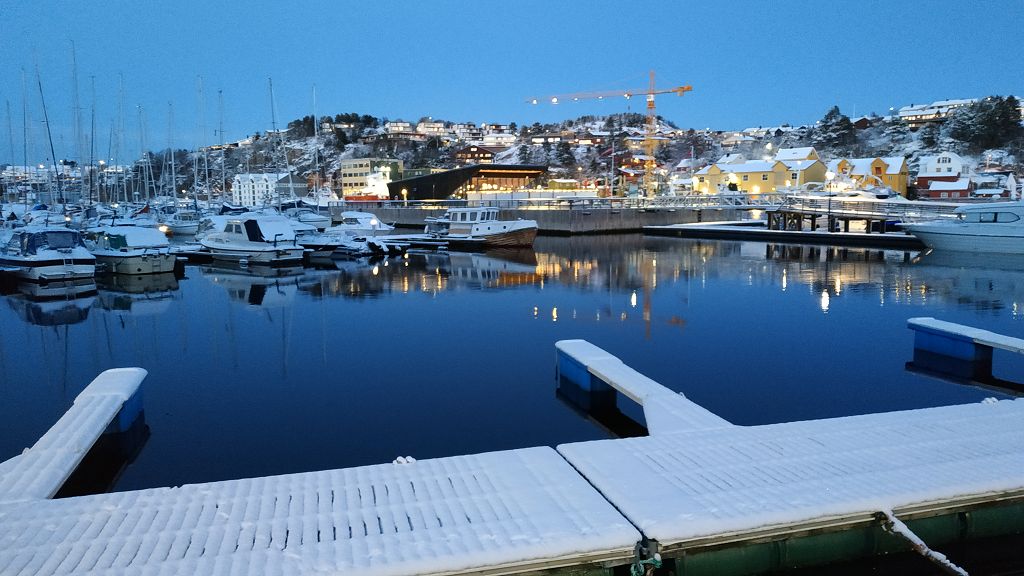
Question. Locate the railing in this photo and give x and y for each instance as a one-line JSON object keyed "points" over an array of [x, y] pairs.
{"points": [[838, 207], [869, 209]]}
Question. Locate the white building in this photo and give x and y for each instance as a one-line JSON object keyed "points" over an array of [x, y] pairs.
{"points": [[944, 164], [397, 126], [432, 128], [356, 171], [499, 139], [255, 189]]}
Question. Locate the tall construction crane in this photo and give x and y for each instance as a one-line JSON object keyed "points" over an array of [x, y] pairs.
{"points": [[651, 125]]}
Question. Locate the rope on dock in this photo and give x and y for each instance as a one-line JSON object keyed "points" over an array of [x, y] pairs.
{"points": [[893, 525]]}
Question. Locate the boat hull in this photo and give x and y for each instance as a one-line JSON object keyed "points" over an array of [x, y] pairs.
{"points": [[517, 237], [140, 264], [268, 256], [964, 239], [51, 270]]}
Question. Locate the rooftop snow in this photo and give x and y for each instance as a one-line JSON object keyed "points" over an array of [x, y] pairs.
{"points": [[794, 153], [958, 184]]}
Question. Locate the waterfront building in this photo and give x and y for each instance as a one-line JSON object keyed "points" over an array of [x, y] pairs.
{"points": [[263, 189], [354, 172], [889, 171], [752, 177]]}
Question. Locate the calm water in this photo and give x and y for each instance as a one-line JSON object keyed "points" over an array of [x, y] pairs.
{"points": [[435, 355]]}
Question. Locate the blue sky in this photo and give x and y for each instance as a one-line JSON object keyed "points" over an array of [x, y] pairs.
{"points": [[750, 62]]}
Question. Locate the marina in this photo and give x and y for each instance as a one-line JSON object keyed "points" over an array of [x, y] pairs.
{"points": [[641, 296]]}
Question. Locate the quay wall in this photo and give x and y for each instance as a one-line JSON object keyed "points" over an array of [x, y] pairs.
{"points": [[569, 221]]}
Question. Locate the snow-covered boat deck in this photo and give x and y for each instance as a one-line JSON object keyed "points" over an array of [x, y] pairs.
{"points": [[694, 485]]}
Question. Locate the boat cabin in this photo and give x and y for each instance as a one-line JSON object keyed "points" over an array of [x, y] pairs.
{"points": [[29, 242], [991, 213]]}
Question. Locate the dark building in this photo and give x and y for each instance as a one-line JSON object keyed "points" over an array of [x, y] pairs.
{"points": [[456, 182]]}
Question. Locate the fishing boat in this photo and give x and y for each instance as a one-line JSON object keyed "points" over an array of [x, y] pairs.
{"points": [[996, 227], [130, 249], [255, 239], [480, 227], [45, 253], [376, 189]]}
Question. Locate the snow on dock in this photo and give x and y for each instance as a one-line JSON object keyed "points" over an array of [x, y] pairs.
{"points": [[524, 508], [109, 403], [733, 483], [664, 410]]}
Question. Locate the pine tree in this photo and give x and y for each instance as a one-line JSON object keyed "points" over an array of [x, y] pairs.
{"points": [[565, 155]]}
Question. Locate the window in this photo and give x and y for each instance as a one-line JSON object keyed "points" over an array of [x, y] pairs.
{"points": [[987, 217], [700, 179], [746, 177], [793, 175], [1006, 217], [764, 177]]}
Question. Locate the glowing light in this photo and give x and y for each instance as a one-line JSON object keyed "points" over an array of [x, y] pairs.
{"points": [[376, 270], [554, 100], [824, 300], [632, 299], [554, 314], [785, 281]]}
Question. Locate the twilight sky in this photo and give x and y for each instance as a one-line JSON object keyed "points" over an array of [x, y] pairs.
{"points": [[751, 62]]}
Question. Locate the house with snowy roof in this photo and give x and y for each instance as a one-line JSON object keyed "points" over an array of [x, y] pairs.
{"points": [[889, 171], [944, 167], [1002, 184], [735, 140], [752, 177], [800, 172], [804, 153], [917, 115]]}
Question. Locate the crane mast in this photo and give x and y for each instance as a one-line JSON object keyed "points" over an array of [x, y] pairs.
{"points": [[650, 125]]}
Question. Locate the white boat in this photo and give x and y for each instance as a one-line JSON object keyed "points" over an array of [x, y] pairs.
{"points": [[361, 223], [182, 223], [130, 249], [256, 239], [376, 189], [46, 253], [308, 216], [480, 227], [991, 227], [320, 199]]}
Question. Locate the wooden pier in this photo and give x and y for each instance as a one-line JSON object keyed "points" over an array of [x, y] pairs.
{"points": [[699, 494]]}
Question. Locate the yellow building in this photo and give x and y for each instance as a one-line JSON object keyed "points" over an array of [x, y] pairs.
{"points": [[800, 172], [889, 171], [752, 177]]}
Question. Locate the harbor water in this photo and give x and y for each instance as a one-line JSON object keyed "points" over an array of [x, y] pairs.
{"points": [[256, 372]]}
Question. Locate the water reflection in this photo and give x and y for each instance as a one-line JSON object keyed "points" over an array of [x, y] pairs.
{"points": [[137, 295], [263, 286], [257, 371], [54, 304]]}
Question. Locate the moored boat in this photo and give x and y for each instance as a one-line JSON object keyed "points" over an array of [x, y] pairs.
{"points": [[996, 227], [46, 253], [480, 227], [130, 249], [256, 239]]}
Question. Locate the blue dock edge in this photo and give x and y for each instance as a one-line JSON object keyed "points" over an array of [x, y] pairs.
{"points": [[957, 350], [130, 412]]}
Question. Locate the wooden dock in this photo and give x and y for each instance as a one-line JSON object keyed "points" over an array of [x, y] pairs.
{"points": [[699, 494]]}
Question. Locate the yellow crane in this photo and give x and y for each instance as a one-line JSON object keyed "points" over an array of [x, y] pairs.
{"points": [[651, 125]]}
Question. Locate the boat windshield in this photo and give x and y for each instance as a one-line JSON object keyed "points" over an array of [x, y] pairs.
{"points": [[51, 239], [989, 217]]}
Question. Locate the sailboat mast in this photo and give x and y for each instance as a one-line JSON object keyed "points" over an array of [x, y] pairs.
{"points": [[46, 120], [170, 148], [316, 153], [92, 140], [223, 150]]}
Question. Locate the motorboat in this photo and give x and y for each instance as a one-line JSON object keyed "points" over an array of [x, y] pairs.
{"points": [[361, 223], [255, 239], [54, 303], [480, 227], [182, 222], [990, 227], [130, 249], [320, 199], [309, 216], [45, 253]]}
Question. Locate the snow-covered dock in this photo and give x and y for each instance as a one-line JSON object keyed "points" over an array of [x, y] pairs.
{"points": [[111, 403], [711, 496]]}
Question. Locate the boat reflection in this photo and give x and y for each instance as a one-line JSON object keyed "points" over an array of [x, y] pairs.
{"points": [[263, 286], [55, 303], [138, 295]]}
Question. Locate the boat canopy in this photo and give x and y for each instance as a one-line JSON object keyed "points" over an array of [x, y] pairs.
{"points": [[134, 237], [31, 241], [268, 229]]}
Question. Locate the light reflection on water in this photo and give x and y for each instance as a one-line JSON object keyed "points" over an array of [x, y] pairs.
{"points": [[256, 372]]}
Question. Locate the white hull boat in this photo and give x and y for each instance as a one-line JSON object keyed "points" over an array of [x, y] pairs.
{"points": [[992, 227], [256, 239], [480, 227], [46, 254], [131, 250]]}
